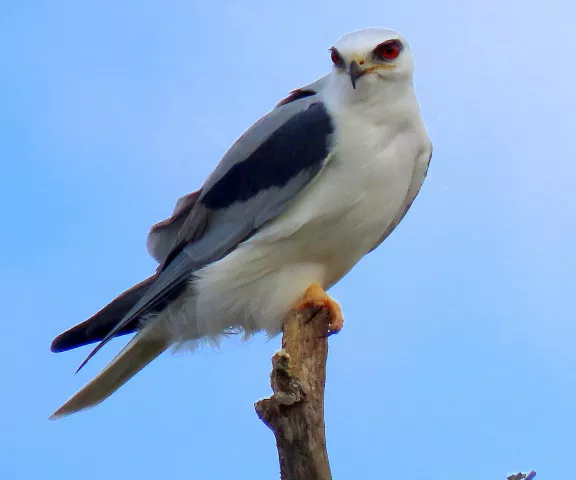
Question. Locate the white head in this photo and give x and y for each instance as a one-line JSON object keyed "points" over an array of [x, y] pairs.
{"points": [[370, 58]]}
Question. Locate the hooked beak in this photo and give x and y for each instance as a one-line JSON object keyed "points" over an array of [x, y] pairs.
{"points": [[355, 72]]}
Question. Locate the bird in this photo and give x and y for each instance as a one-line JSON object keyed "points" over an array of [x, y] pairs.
{"points": [[296, 202]]}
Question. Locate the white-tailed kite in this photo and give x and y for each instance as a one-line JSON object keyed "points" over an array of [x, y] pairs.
{"points": [[296, 202]]}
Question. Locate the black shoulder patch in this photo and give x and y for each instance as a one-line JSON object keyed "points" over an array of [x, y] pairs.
{"points": [[296, 95], [300, 144]]}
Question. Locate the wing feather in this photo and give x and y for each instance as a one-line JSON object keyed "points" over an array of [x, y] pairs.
{"points": [[162, 236]]}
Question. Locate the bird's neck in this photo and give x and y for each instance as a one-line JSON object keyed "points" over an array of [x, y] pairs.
{"points": [[392, 101]]}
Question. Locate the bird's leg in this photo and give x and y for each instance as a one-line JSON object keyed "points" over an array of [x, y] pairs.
{"points": [[315, 296]]}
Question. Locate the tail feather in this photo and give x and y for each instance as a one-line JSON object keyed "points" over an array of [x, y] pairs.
{"points": [[98, 326], [142, 349]]}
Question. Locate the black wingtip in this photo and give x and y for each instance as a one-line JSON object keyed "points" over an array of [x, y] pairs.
{"points": [[70, 339], [87, 359], [73, 339], [56, 345], [82, 365], [99, 325]]}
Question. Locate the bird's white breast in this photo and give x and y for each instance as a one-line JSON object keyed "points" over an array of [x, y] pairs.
{"points": [[326, 230], [361, 190]]}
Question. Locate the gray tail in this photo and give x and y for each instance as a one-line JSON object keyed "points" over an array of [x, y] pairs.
{"points": [[140, 351]]}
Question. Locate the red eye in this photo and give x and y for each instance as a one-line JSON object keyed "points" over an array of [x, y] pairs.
{"points": [[335, 56], [388, 50]]}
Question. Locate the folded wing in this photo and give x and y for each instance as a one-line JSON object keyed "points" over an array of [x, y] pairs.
{"points": [[264, 170]]}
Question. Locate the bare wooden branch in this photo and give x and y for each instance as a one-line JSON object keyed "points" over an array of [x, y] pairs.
{"points": [[295, 411]]}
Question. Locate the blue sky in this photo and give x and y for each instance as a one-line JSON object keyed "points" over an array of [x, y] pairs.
{"points": [[457, 356]]}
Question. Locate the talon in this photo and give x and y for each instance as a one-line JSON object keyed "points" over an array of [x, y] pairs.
{"points": [[337, 321], [315, 296]]}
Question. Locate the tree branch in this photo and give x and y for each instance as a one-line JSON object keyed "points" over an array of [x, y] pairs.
{"points": [[523, 476], [295, 412]]}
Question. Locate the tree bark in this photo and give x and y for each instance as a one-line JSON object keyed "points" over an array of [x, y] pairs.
{"points": [[295, 411]]}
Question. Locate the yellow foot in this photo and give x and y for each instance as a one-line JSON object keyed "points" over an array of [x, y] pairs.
{"points": [[315, 296]]}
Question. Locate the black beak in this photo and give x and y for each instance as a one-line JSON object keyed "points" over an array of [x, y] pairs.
{"points": [[355, 72]]}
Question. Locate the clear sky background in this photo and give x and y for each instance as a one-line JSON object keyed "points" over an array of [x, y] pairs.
{"points": [[457, 359]]}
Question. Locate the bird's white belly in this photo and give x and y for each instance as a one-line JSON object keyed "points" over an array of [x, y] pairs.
{"points": [[318, 238]]}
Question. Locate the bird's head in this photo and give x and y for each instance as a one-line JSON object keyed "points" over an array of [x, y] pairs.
{"points": [[365, 58]]}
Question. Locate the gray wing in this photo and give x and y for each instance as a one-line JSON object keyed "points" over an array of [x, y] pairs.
{"points": [[264, 170], [166, 235], [163, 235]]}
